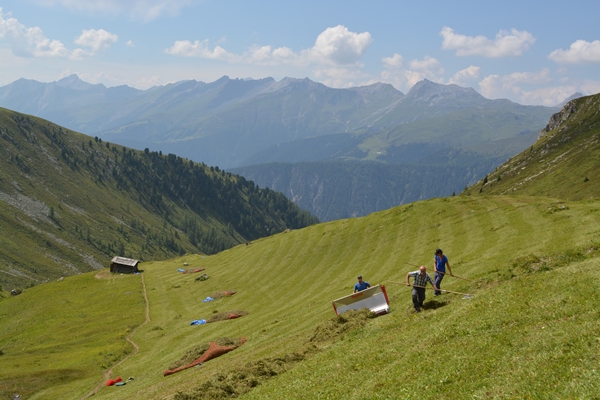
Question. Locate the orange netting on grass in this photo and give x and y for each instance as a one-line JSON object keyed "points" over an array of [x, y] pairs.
{"points": [[214, 350], [193, 270]]}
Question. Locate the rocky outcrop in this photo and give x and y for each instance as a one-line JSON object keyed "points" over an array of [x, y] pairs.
{"points": [[559, 118]]}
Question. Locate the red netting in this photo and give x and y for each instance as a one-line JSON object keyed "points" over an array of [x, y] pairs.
{"points": [[213, 351], [111, 382]]}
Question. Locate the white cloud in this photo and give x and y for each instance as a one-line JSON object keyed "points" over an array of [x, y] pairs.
{"points": [[335, 46], [549, 96], [580, 52], [393, 62], [514, 87], [466, 76], [506, 44], [29, 42], [130, 43], [427, 65], [96, 39], [496, 86], [146, 10], [339, 46], [265, 55], [79, 54], [199, 49]]}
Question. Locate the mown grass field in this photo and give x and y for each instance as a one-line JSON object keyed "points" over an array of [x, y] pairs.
{"points": [[530, 331]]}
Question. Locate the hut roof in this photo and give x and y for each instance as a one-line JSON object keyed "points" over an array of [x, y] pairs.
{"points": [[124, 261]]}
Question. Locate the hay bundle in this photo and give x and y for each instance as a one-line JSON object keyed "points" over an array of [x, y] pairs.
{"points": [[227, 315], [225, 293], [203, 353]]}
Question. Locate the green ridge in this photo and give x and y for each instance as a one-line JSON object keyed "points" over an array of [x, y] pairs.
{"points": [[562, 163]]}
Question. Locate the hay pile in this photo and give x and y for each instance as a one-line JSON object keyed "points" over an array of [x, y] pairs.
{"points": [[193, 270], [222, 316], [195, 352], [225, 293], [341, 324]]}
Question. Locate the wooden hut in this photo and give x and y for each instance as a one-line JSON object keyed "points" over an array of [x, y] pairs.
{"points": [[124, 265]]}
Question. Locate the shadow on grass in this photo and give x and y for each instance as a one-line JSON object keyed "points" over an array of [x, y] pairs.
{"points": [[434, 304]]}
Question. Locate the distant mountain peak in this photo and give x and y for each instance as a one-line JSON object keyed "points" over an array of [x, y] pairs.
{"points": [[377, 87], [430, 92], [73, 82], [295, 84], [224, 78]]}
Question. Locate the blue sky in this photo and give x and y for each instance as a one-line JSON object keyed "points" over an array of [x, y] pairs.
{"points": [[531, 52]]}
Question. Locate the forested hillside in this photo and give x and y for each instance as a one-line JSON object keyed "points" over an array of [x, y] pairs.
{"points": [[69, 203]]}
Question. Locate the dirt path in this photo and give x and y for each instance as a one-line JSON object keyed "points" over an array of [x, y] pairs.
{"points": [[136, 348]]}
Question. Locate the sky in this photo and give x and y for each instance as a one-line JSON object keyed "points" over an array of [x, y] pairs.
{"points": [[531, 52]]}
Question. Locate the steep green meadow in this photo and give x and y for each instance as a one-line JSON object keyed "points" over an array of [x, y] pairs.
{"points": [[530, 331], [562, 163]]}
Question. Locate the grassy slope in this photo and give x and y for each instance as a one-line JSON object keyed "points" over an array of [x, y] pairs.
{"points": [[523, 334], [73, 337], [36, 247], [563, 163]]}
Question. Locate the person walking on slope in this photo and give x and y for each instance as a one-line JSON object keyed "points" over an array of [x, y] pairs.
{"points": [[361, 285], [439, 264], [420, 279]]}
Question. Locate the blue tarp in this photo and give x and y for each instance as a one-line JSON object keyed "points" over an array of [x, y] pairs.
{"points": [[198, 322], [206, 300]]}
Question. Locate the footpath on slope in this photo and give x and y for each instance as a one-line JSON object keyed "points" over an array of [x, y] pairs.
{"points": [[136, 348]]}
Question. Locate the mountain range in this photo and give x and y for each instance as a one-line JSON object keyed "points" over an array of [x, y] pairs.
{"points": [[244, 123], [231, 122]]}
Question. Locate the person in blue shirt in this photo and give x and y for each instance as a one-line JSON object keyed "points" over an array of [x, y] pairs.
{"points": [[361, 285], [440, 262]]}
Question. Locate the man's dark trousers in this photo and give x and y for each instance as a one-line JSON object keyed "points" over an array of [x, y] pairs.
{"points": [[418, 297]]}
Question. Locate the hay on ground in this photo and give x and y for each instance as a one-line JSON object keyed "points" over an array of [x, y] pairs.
{"points": [[223, 293], [341, 324], [193, 270], [241, 380], [197, 351], [227, 315]]}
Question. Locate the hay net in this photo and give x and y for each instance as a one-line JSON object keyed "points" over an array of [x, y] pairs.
{"points": [[204, 352]]}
